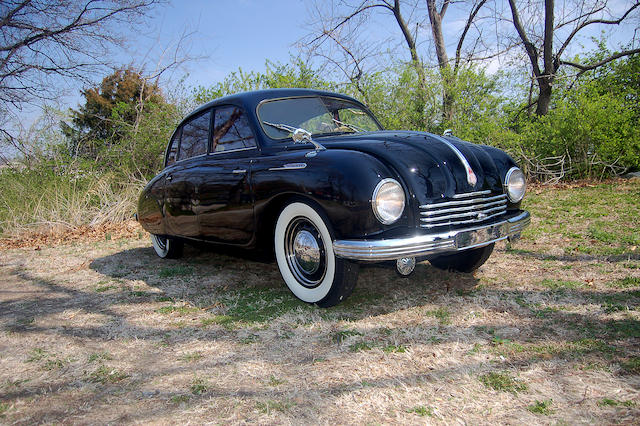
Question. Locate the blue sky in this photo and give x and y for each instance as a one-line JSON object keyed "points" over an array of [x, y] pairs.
{"points": [[226, 35]]}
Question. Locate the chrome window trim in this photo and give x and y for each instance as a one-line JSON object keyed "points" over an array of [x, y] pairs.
{"points": [[264, 101], [231, 150]]}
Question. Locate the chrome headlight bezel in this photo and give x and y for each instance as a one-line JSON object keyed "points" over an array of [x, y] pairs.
{"points": [[384, 217], [515, 185]]}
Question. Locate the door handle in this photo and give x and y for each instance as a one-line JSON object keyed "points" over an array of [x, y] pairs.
{"points": [[169, 177], [239, 171]]}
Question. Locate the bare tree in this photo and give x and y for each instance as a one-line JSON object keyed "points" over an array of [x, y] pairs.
{"points": [[547, 35], [336, 37], [42, 41]]}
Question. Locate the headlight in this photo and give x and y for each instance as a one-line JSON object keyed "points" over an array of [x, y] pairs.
{"points": [[388, 201], [515, 184]]}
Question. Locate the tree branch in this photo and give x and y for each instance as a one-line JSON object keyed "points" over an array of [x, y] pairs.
{"points": [[589, 67]]}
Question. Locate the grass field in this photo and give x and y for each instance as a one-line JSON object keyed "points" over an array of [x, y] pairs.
{"points": [[546, 332]]}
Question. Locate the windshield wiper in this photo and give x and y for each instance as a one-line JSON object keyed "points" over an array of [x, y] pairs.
{"points": [[298, 134], [280, 126], [350, 126]]}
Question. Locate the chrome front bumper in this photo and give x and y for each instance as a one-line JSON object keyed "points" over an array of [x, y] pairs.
{"points": [[425, 245]]}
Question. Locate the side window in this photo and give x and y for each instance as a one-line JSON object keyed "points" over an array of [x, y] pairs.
{"points": [[232, 130], [195, 136], [172, 153]]}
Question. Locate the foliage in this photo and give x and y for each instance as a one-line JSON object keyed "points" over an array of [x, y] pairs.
{"points": [[109, 110], [93, 169]]}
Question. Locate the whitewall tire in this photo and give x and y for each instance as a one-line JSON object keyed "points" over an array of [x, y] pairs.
{"points": [[304, 251], [167, 247]]}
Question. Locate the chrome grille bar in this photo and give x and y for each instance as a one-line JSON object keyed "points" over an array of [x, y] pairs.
{"points": [[469, 208]]}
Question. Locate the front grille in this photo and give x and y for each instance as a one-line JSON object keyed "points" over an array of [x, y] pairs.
{"points": [[464, 209]]}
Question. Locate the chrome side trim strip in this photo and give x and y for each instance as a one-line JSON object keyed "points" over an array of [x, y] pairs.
{"points": [[290, 166], [425, 245]]}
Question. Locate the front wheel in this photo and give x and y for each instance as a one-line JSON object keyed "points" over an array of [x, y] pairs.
{"points": [[304, 251], [465, 261], [167, 247]]}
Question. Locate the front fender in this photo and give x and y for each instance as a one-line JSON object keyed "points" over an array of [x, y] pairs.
{"points": [[340, 181]]}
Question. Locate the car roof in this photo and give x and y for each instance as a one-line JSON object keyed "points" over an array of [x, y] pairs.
{"points": [[254, 97]]}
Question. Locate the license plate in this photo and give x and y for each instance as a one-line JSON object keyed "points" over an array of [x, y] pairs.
{"points": [[479, 236]]}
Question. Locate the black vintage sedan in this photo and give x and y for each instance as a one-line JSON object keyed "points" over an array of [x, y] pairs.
{"points": [[313, 176]]}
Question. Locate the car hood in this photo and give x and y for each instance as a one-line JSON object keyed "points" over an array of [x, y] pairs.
{"points": [[428, 163]]}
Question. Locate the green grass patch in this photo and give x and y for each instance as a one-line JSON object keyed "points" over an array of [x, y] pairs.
{"points": [[260, 304], [441, 314], [99, 356], [360, 346], [564, 212], [175, 271], [342, 335], [394, 349], [560, 284], [607, 402], [103, 288], [199, 386], [223, 320], [274, 381], [177, 309], [180, 399], [107, 375], [628, 282], [503, 382], [191, 357], [4, 407], [631, 365], [268, 406], [541, 407], [37, 354], [421, 410]]}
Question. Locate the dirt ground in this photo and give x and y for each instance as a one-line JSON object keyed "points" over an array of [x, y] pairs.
{"points": [[105, 332]]}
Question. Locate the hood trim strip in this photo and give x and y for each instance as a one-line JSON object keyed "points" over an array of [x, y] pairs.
{"points": [[471, 176]]}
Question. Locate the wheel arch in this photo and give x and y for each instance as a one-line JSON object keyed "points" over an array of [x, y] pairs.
{"points": [[267, 216]]}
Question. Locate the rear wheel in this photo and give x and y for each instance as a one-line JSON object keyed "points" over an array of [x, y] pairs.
{"points": [[465, 261], [167, 247], [303, 245]]}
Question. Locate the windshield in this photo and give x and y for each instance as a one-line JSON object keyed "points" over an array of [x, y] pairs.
{"points": [[319, 115]]}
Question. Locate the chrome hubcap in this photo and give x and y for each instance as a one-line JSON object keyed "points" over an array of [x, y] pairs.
{"points": [[305, 253]]}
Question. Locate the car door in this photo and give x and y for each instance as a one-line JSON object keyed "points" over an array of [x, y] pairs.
{"points": [[225, 202], [184, 177]]}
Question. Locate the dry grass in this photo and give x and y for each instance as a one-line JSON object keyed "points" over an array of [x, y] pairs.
{"points": [[105, 332]]}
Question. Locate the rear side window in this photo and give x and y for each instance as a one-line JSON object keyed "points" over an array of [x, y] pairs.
{"points": [[172, 153], [231, 130], [195, 136]]}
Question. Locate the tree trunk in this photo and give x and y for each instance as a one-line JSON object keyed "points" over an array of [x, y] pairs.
{"points": [[544, 98]]}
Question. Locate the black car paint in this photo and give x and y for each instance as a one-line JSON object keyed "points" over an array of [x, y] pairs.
{"points": [[225, 197]]}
